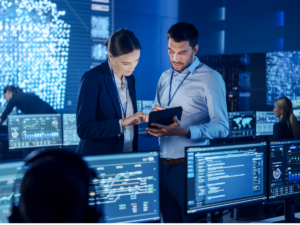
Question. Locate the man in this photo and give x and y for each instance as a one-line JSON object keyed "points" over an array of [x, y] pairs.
{"points": [[200, 91]]}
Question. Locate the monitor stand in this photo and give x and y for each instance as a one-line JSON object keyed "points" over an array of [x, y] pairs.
{"points": [[214, 218], [289, 213]]}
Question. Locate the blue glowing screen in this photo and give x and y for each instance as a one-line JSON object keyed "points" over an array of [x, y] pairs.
{"points": [[283, 75]]}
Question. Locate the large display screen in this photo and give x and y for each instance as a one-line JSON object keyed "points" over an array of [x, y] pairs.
{"points": [[283, 75], [225, 175], [265, 122], [284, 169], [32, 131], [241, 124], [46, 46], [127, 186], [70, 135]]}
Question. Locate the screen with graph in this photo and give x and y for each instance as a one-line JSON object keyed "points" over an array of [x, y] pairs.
{"points": [[70, 135], [8, 174], [127, 186], [31, 131], [284, 169], [265, 122]]}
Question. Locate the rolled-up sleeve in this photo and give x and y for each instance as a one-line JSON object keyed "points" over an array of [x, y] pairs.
{"points": [[215, 96]]}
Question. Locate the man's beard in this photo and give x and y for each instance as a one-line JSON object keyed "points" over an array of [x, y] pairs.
{"points": [[191, 60]]}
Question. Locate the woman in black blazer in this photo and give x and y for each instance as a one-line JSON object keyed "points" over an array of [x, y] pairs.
{"points": [[106, 107], [288, 126]]}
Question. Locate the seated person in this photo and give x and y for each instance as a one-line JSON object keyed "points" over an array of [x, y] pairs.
{"points": [[28, 103], [55, 189], [288, 126]]}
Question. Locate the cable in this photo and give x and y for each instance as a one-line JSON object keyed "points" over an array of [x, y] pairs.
{"points": [[274, 211]]}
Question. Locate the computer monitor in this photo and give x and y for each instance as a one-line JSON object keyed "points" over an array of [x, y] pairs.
{"points": [[241, 124], [13, 112], [284, 169], [145, 106], [32, 131], [224, 176], [264, 122], [70, 136], [296, 104], [128, 186], [9, 172], [297, 114]]}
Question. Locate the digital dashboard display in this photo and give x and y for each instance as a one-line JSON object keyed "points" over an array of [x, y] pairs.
{"points": [[284, 169], [241, 124], [31, 131], [127, 186], [265, 122]]}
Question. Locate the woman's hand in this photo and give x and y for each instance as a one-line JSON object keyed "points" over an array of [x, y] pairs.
{"points": [[135, 119]]}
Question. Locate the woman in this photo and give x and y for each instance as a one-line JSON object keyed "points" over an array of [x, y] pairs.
{"points": [[288, 126], [106, 107], [28, 103]]}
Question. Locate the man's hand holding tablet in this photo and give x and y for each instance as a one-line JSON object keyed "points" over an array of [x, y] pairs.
{"points": [[173, 129]]}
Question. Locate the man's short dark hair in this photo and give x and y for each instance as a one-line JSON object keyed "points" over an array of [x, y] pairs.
{"points": [[183, 31]]}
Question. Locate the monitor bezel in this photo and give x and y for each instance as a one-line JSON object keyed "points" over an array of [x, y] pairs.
{"points": [[141, 152], [254, 135], [229, 205], [45, 146], [280, 197], [62, 131]]}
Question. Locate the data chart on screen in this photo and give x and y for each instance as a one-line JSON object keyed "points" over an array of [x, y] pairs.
{"points": [[284, 169], [9, 172], [265, 122], [127, 186], [242, 124], [70, 136], [225, 176], [31, 131]]}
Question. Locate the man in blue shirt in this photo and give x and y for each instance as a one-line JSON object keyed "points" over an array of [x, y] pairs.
{"points": [[200, 91]]}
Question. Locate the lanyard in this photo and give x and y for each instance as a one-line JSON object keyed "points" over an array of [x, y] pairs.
{"points": [[123, 110], [170, 99]]}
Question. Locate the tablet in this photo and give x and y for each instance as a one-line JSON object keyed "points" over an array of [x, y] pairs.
{"points": [[164, 117]]}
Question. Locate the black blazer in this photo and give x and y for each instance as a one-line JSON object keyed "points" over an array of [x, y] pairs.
{"points": [[99, 112], [28, 103], [282, 130]]}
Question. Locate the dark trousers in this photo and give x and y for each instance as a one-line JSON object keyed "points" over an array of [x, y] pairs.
{"points": [[173, 194]]}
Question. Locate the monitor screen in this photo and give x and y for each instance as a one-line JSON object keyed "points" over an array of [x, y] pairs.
{"points": [[223, 176], [8, 174], [70, 135], [13, 112], [297, 114], [265, 122], [145, 106], [32, 131], [128, 186], [241, 124], [284, 169]]}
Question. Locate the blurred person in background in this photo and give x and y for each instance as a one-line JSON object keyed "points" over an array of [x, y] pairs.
{"points": [[28, 103], [288, 126]]}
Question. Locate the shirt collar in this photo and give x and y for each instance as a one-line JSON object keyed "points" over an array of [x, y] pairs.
{"points": [[190, 69]]}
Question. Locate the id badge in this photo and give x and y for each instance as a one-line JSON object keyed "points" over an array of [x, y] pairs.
{"points": [[127, 141]]}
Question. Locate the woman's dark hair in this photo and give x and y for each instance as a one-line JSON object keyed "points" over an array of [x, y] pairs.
{"points": [[122, 42], [287, 106], [12, 89], [183, 31]]}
